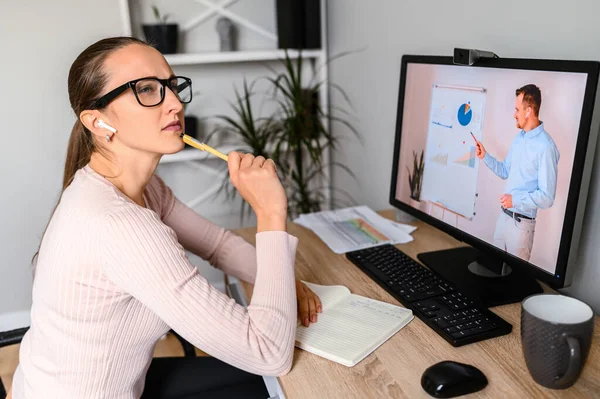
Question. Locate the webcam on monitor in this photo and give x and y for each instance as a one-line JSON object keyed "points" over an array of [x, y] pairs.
{"points": [[469, 56]]}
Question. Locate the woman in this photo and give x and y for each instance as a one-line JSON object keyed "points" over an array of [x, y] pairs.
{"points": [[112, 275]]}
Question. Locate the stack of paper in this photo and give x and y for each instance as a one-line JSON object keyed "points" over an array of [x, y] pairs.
{"points": [[350, 229]]}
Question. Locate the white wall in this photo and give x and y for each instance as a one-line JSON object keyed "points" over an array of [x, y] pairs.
{"points": [[38, 42], [387, 29]]}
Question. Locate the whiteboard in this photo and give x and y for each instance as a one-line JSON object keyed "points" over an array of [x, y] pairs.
{"points": [[451, 167]]}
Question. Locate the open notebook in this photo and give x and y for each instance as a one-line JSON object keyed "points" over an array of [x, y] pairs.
{"points": [[351, 326]]}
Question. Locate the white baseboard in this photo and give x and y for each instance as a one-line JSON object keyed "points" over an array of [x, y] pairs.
{"points": [[14, 320]]}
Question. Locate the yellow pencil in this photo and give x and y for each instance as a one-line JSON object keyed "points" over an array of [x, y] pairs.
{"points": [[203, 147]]}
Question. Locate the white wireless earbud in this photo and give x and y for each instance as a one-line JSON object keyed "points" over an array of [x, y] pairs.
{"points": [[106, 126]]}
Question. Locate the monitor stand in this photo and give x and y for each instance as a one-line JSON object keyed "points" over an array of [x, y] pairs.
{"points": [[486, 280]]}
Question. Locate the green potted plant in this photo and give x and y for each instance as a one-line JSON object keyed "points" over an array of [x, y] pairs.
{"points": [[295, 137], [162, 36], [250, 135], [303, 139], [415, 179]]}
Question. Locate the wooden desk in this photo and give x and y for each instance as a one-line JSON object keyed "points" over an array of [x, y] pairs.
{"points": [[394, 370]]}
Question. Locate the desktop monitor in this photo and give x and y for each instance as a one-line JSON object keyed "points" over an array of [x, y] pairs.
{"points": [[520, 207]]}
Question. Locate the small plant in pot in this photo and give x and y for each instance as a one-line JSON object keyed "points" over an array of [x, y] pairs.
{"points": [[415, 179], [162, 36]]}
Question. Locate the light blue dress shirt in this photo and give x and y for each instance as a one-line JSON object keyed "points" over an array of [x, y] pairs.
{"points": [[530, 170]]}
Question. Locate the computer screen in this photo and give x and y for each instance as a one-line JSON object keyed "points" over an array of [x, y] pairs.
{"points": [[495, 153]]}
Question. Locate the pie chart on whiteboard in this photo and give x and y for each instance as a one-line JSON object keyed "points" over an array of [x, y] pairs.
{"points": [[465, 114]]}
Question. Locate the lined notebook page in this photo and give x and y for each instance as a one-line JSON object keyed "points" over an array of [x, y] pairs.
{"points": [[329, 295], [352, 329]]}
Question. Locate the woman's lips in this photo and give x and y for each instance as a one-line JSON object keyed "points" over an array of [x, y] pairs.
{"points": [[173, 127]]}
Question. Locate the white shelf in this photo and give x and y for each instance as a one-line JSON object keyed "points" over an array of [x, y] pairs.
{"points": [[237, 56]]}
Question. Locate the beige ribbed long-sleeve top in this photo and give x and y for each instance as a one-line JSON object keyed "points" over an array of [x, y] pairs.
{"points": [[112, 277]]}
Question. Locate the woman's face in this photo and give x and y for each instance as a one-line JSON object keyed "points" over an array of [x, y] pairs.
{"points": [[146, 129]]}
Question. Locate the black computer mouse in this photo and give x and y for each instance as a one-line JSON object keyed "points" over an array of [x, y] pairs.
{"points": [[449, 379]]}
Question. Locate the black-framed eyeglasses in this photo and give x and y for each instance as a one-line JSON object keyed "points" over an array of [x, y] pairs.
{"points": [[150, 92]]}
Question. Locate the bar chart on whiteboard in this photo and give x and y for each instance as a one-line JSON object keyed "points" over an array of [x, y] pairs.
{"points": [[455, 114]]}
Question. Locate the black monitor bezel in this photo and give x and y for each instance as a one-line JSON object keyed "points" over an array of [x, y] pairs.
{"points": [[591, 68]]}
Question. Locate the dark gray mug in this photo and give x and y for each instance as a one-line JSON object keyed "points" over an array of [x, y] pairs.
{"points": [[556, 334]]}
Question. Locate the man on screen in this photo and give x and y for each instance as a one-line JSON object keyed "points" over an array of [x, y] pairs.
{"points": [[530, 170]]}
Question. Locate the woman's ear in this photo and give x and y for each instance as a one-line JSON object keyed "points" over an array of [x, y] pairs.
{"points": [[90, 119]]}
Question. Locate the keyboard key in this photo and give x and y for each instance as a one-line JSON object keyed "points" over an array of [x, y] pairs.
{"points": [[477, 329], [430, 314], [487, 327], [458, 335], [441, 322], [469, 332]]}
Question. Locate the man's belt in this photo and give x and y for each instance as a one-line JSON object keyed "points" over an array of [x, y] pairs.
{"points": [[516, 216]]}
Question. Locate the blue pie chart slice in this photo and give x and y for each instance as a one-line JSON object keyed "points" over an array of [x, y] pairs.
{"points": [[465, 114]]}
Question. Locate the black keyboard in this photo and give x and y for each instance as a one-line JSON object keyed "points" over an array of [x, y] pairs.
{"points": [[432, 299]]}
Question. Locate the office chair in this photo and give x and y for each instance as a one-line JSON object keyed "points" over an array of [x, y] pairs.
{"points": [[14, 337], [188, 349]]}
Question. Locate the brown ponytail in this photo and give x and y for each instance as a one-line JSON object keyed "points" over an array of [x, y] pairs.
{"points": [[79, 152], [86, 82]]}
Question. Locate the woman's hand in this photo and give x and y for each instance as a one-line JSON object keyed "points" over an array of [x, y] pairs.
{"points": [[309, 304], [256, 180]]}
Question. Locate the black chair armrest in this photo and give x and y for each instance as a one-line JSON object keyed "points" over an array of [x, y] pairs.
{"points": [[12, 337], [188, 349]]}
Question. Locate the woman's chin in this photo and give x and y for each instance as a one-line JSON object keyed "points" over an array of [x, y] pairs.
{"points": [[174, 146]]}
